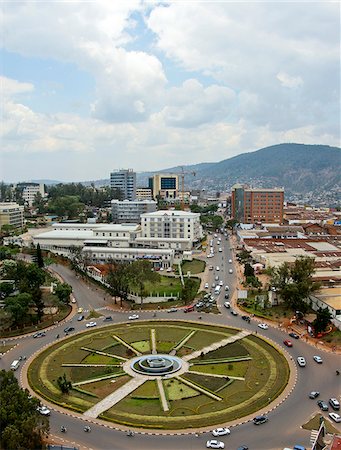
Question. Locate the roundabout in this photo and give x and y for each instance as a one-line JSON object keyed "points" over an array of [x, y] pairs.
{"points": [[161, 375]]}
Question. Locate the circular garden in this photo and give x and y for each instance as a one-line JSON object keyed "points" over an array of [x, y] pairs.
{"points": [[225, 374]]}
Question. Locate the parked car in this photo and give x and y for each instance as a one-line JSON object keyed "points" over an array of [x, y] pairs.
{"points": [[221, 432], [91, 324], [133, 317], [263, 326], [227, 305], [335, 416], [107, 319], [43, 410], [258, 420], [213, 443], [322, 405], [69, 329], [334, 403], [301, 361], [287, 343], [294, 335], [318, 359], [314, 394], [206, 285], [246, 318]]}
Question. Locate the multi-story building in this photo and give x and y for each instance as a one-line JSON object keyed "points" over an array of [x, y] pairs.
{"points": [[30, 190], [144, 193], [11, 214], [130, 212], [164, 185], [125, 181], [257, 205]]}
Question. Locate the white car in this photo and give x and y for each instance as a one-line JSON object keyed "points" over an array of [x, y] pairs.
{"points": [[227, 305], [217, 268], [43, 410], [133, 317], [91, 324], [213, 443], [318, 359], [301, 361], [230, 261], [206, 285], [221, 432], [263, 326], [335, 416], [226, 288], [220, 249], [220, 283], [169, 269], [230, 271]]}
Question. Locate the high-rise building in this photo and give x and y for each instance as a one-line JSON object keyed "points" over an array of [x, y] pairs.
{"points": [[250, 205], [30, 190], [130, 212], [11, 214], [164, 185], [125, 181]]}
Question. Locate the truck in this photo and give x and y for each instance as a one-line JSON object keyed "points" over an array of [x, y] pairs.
{"points": [[15, 364]]}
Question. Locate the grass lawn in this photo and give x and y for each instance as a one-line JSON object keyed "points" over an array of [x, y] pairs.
{"points": [[314, 424], [229, 350], [168, 286], [195, 266], [93, 315], [141, 346], [6, 347], [147, 390], [175, 390], [333, 338], [228, 369], [210, 383]]}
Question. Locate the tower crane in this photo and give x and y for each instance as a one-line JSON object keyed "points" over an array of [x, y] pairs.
{"points": [[182, 175]]}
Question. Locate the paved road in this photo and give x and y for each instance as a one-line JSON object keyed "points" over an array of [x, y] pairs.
{"points": [[283, 428]]}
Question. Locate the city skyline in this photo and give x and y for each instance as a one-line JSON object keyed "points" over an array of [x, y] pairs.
{"points": [[92, 87]]}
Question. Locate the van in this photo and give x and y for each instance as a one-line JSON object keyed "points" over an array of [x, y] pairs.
{"points": [[15, 364], [217, 290], [334, 403]]}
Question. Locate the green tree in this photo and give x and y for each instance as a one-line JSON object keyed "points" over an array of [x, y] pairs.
{"points": [[323, 318], [39, 203], [248, 270], [64, 384], [231, 223], [69, 206], [141, 271], [18, 306], [22, 427], [38, 257], [63, 292], [294, 282], [188, 291]]}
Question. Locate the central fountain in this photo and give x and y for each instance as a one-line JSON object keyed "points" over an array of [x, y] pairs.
{"points": [[155, 365]]}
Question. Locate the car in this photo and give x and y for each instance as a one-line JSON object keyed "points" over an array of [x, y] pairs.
{"points": [[210, 268], [227, 295], [216, 278], [171, 310], [221, 432], [287, 343], [169, 269], [206, 285], [80, 310], [335, 416], [189, 309], [233, 312], [314, 394], [81, 317], [227, 288], [246, 318], [213, 443], [198, 305], [91, 324], [318, 359], [220, 249], [43, 410], [213, 285], [322, 405], [230, 261], [230, 271], [243, 447], [301, 361], [258, 420], [220, 283], [107, 319], [161, 269], [69, 329], [294, 335], [133, 317], [263, 326], [39, 334], [73, 300], [334, 403], [217, 268], [227, 305]]}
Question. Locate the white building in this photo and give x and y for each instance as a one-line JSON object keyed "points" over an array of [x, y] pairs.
{"points": [[130, 211], [11, 214], [30, 190], [125, 181]]}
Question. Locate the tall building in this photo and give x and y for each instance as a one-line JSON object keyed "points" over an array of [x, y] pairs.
{"points": [[125, 181], [144, 193], [30, 190], [257, 205], [130, 212], [164, 185], [11, 214]]}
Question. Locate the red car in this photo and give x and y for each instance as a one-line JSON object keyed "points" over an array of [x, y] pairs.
{"points": [[287, 343], [189, 309]]}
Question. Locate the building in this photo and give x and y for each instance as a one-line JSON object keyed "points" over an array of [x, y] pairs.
{"points": [[125, 181], [164, 186], [11, 214], [144, 194], [250, 205], [130, 211], [30, 190]]}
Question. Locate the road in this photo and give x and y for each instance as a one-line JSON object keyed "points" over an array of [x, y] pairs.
{"points": [[284, 426]]}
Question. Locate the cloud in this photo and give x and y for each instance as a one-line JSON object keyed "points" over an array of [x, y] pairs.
{"points": [[10, 87], [288, 81]]}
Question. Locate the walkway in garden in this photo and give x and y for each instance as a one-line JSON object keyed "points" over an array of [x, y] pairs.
{"points": [[163, 397], [217, 345], [115, 397]]}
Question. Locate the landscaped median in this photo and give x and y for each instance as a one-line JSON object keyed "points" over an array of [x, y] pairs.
{"points": [[228, 374]]}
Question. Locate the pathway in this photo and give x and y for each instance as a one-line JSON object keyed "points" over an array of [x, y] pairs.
{"points": [[121, 341], [216, 345], [163, 398], [115, 397], [153, 340]]}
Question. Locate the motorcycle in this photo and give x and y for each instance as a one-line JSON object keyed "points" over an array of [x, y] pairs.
{"points": [[130, 433], [87, 429], [63, 429]]}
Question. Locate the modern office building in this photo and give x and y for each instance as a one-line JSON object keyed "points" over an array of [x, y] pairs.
{"points": [[30, 190], [144, 193], [11, 214], [257, 205], [125, 181], [164, 186], [130, 211]]}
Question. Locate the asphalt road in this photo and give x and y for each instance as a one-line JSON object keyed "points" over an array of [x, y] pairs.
{"points": [[284, 426]]}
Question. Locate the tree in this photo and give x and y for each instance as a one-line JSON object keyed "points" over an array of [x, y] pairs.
{"points": [[63, 292], [22, 427], [188, 291], [323, 318], [18, 306], [64, 384], [231, 223], [39, 203], [39, 257], [248, 270], [294, 282]]}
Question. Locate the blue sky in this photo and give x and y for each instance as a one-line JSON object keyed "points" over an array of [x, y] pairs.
{"points": [[87, 87]]}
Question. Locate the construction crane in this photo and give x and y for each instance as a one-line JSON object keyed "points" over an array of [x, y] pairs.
{"points": [[182, 175]]}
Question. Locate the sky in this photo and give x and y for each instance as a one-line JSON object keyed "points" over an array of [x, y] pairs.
{"points": [[87, 87]]}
